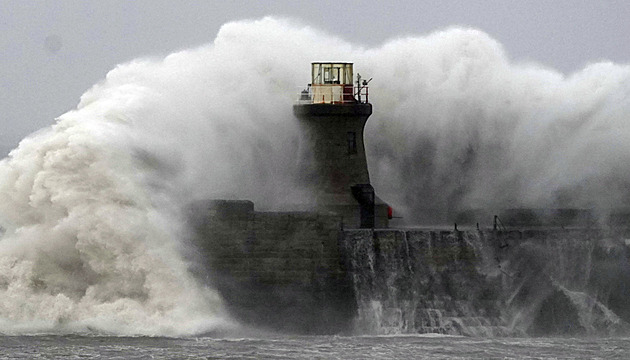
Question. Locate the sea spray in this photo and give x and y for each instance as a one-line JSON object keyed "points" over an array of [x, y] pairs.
{"points": [[458, 125], [89, 245], [92, 207]]}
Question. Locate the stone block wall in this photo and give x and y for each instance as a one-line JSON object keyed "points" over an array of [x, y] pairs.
{"points": [[302, 272], [490, 283], [421, 281], [281, 270]]}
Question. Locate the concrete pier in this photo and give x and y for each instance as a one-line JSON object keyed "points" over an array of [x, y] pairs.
{"points": [[303, 272]]}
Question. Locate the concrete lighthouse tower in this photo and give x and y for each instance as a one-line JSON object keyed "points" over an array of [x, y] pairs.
{"points": [[333, 112]]}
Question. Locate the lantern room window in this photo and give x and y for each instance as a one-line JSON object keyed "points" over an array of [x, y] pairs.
{"points": [[331, 73]]}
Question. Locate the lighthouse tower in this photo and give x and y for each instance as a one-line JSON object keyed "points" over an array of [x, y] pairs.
{"points": [[333, 111]]}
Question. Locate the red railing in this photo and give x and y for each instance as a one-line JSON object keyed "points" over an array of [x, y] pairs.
{"points": [[334, 94]]}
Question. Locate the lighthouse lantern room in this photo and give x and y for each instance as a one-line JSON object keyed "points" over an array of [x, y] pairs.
{"points": [[332, 83]]}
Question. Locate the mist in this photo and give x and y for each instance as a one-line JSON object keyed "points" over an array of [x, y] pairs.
{"points": [[94, 207], [458, 125]]}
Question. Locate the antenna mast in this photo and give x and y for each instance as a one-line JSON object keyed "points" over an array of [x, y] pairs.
{"points": [[361, 86]]}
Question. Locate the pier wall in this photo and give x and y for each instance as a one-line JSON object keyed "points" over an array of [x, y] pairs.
{"points": [[281, 270], [301, 272]]}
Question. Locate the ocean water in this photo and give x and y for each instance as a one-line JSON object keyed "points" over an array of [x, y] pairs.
{"points": [[311, 347]]}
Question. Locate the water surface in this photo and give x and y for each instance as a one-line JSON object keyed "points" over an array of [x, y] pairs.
{"points": [[311, 347]]}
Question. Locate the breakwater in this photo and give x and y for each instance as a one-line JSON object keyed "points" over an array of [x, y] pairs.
{"points": [[303, 272], [277, 270], [489, 283]]}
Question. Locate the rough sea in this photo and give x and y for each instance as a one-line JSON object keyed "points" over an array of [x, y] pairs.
{"points": [[92, 209], [311, 347]]}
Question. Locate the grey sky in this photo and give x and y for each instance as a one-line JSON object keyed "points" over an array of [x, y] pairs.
{"points": [[52, 51]]}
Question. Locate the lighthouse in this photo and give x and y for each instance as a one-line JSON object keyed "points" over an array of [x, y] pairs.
{"points": [[333, 111]]}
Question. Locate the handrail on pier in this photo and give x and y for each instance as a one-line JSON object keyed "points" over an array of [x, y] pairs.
{"points": [[497, 224]]}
